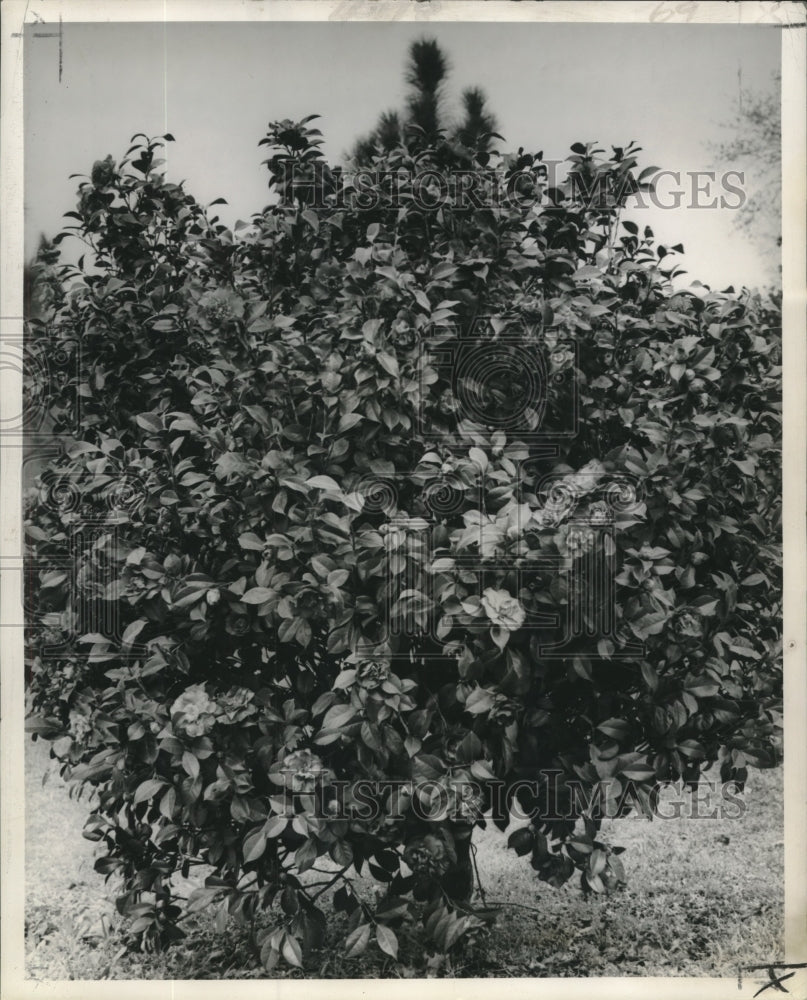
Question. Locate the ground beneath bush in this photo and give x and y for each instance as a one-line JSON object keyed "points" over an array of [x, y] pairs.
{"points": [[703, 896]]}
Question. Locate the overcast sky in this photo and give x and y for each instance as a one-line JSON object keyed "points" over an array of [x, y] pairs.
{"points": [[216, 86]]}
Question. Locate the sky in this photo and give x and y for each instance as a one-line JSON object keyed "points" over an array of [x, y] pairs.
{"points": [[216, 86]]}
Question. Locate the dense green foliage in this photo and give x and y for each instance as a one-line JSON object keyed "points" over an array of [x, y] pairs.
{"points": [[293, 549]]}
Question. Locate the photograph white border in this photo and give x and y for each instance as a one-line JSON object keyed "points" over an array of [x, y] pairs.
{"points": [[790, 17]]}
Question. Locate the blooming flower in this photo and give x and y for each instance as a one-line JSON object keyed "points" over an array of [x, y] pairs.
{"points": [[561, 358], [468, 806], [193, 711], [578, 539], [103, 172], [688, 624], [301, 771], [79, 725], [371, 673], [448, 403], [574, 540], [235, 706], [222, 305], [503, 609], [543, 517], [405, 337], [430, 855], [237, 624], [587, 476], [598, 513]]}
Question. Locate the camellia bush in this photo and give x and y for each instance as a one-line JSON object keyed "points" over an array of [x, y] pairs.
{"points": [[419, 501]]}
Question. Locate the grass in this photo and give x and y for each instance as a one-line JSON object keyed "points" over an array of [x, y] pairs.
{"points": [[703, 897]]}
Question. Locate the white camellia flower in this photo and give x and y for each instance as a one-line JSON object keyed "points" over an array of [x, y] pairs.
{"points": [[193, 711], [503, 609]]}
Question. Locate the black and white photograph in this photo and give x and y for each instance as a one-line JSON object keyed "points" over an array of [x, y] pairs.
{"points": [[403, 442]]}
